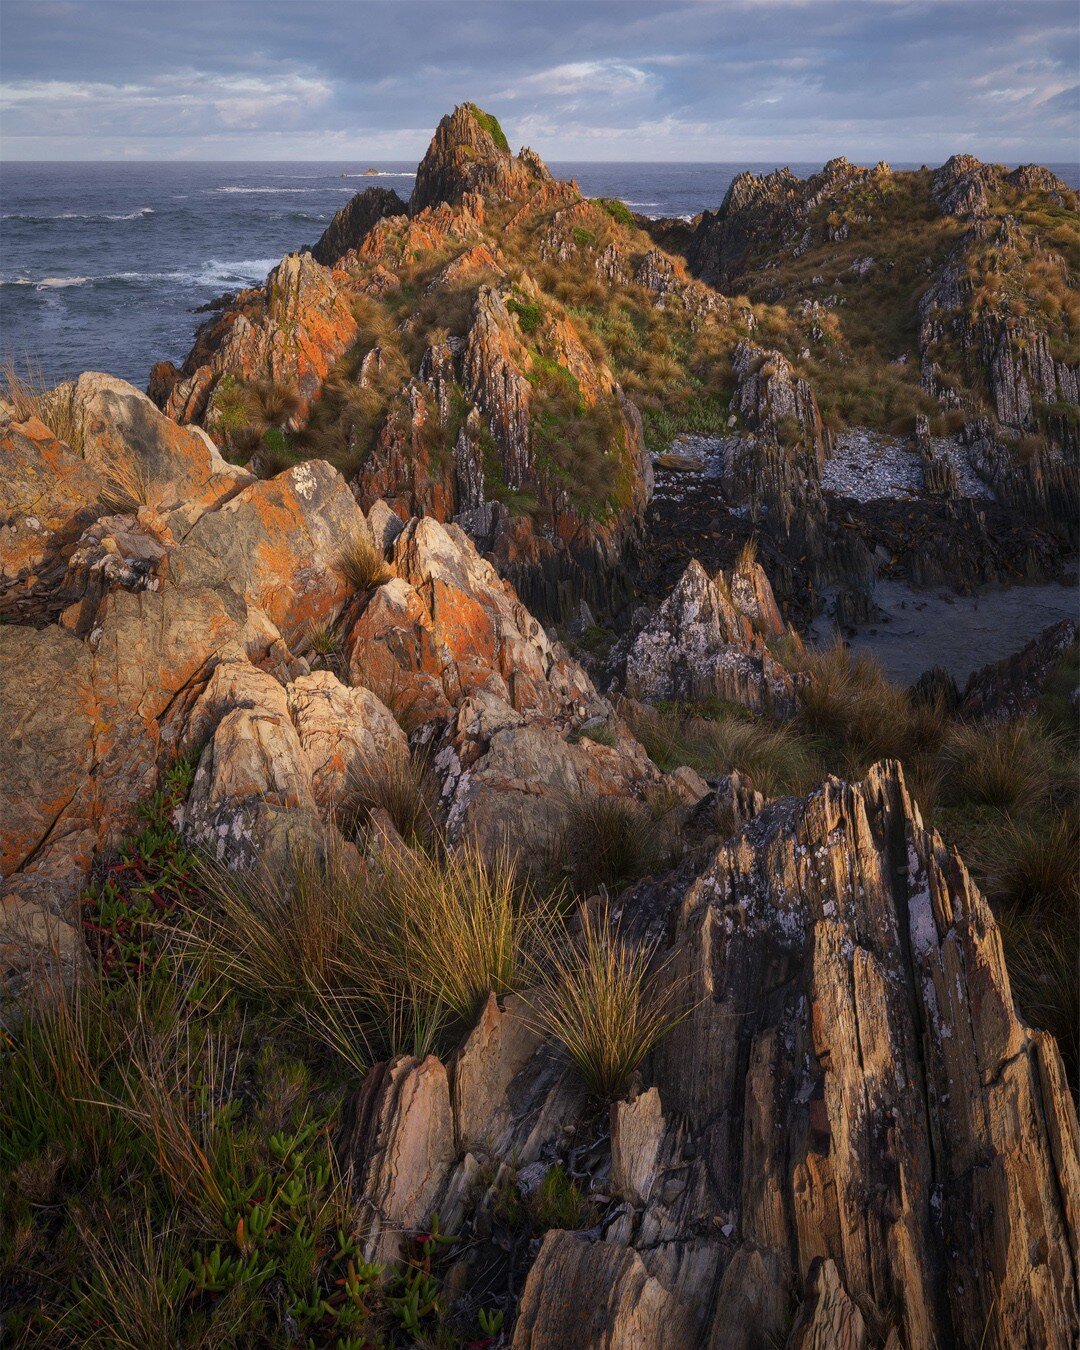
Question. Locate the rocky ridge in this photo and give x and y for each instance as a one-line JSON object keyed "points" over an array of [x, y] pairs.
{"points": [[850, 1137]]}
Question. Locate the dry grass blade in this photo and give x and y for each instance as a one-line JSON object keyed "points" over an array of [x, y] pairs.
{"points": [[361, 562], [602, 1004], [30, 396], [401, 786]]}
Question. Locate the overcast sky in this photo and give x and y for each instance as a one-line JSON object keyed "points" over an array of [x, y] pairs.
{"points": [[613, 80]]}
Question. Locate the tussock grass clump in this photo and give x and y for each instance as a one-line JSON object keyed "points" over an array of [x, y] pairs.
{"points": [[462, 926], [607, 841], [1042, 952], [1034, 863], [603, 1006], [860, 715], [1008, 765], [401, 786], [778, 758], [361, 562], [377, 958], [30, 396]]}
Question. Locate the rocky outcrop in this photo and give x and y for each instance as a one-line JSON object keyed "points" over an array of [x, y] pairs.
{"points": [[351, 225], [849, 1140], [776, 402], [1013, 687], [290, 331], [903, 1033], [698, 645], [279, 545], [446, 626], [48, 495], [469, 154]]}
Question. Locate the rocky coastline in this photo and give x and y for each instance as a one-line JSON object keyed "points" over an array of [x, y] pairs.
{"points": [[428, 655]]}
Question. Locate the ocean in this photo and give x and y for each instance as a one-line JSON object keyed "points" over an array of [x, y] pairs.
{"points": [[103, 266]]}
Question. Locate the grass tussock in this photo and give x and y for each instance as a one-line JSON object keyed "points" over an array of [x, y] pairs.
{"points": [[361, 562], [608, 842], [1007, 765], [604, 1005], [776, 756], [30, 396], [403, 787], [859, 716]]}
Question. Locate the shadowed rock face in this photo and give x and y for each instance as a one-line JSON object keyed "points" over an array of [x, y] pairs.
{"points": [[350, 225], [850, 1140]]}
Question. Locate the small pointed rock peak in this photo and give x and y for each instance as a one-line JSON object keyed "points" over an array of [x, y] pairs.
{"points": [[470, 153]]}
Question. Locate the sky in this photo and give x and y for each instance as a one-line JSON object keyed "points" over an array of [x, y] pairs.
{"points": [[714, 80]]}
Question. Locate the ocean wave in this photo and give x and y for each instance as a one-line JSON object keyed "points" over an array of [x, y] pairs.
{"points": [[641, 203], [213, 272], [275, 191], [95, 217], [381, 173]]}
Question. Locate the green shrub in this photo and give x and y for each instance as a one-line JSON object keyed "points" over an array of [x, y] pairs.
{"points": [[617, 210], [528, 314], [491, 125]]}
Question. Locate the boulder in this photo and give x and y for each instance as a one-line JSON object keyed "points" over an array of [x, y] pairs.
{"points": [[697, 645], [342, 732], [278, 544], [48, 495], [145, 457]]}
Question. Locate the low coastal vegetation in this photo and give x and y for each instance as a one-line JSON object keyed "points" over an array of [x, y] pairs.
{"points": [[1004, 793], [174, 1113]]}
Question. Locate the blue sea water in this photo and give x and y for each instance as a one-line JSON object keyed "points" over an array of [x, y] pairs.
{"points": [[102, 266]]}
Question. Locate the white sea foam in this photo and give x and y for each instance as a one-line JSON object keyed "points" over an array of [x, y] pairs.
{"points": [[272, 191], [213, 272], [77, 215]]}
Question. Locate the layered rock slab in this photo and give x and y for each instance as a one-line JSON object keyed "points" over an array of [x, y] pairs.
{"points": [[853, 1086]]}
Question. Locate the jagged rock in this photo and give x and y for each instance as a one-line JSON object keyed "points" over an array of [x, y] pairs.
{"points": [[508, 779], [147, 458], [851, 1102], [279, 543], [828, 1320], [251, 801], [350, 225], [752, 595], [468, 153], [773, 399], [1012, 688], [402, 1150], [342, 732], [597, 1294], [446, 626], [697, 646], [290, 331]]}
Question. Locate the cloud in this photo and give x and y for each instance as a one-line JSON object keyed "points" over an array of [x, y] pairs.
{"points": [[658, 79]]}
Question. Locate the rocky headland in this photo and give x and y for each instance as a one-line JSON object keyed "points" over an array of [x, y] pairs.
{"points": [[446, 901]]}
